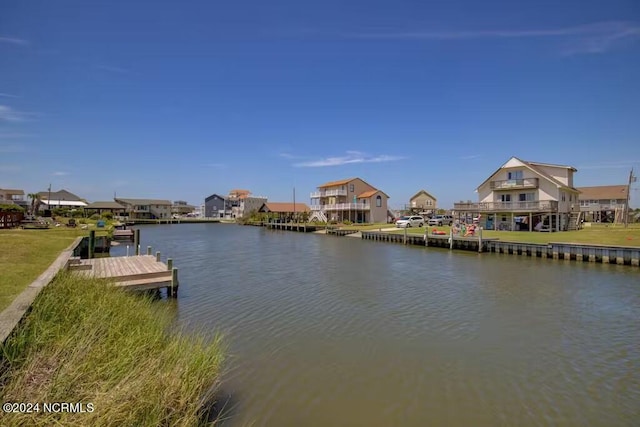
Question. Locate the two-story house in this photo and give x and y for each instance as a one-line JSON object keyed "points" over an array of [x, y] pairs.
{"points": [[13, 196], [422, 203], [146, 208], [350, 199], [524, 195], [603, 203]]}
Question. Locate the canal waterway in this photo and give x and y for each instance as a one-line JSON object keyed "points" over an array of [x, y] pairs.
{"points": [[337, 331]]}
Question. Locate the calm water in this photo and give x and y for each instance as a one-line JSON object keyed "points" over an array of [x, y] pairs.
{"points": [[330, 331]]}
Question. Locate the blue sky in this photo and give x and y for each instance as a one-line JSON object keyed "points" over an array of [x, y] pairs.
{"points": [[179, 100]]}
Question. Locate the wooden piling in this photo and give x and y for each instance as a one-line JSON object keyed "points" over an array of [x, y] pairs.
{"points": [[136, 240], [405, 234], [169, 263], [158, 256], [479, 239], [451, 239], [174, 282], [149, 251], [92, 243]]}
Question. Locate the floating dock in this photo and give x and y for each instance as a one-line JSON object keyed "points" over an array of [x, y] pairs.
{"points": [[139, 272]]}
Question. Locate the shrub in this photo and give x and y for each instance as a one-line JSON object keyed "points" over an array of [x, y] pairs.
{"points": [[11, 208], [347, 222], [107, 215], [95, 216]]}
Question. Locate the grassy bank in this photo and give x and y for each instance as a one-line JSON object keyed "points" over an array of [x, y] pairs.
{"points": [[89, 343], [25, 254], [600, 235]]}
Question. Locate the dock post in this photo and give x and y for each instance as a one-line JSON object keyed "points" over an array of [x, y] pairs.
{"points": [[158, 256], [405, 234], [426, 237], [127, 250], [92, 243], [149, 251], [136, 240], [174, 282], [169, 264], [451, 239], [480, 239]]}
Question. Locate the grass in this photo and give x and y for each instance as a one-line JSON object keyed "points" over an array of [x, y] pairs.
{"points": [[25, 254], [87, 342], [598, 234]]}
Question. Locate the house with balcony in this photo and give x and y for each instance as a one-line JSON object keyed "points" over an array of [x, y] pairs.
{"points": [[603, 203], [13, 197], [422, 203], [526, 196], [181, 207], [350, 199], [146, 208]]}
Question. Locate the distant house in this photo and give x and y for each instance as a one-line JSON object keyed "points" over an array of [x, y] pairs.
{"points": [[236, 204], [422, 203], [527, 196], [146, 208], [60, 199], [215, 206], [180, 207], [13, 197], [284, 211], [604, 203], [102, 207], [350, 199]]}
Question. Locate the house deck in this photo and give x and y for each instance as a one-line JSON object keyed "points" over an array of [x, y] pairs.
{"points": [[141, 272]]}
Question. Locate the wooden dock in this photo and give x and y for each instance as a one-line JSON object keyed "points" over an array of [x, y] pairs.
{"points": [[139, 273]]}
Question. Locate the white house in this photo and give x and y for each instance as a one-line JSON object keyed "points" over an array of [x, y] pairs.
{"points": [[524, 195]]}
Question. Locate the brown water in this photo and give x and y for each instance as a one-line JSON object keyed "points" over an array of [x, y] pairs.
{"points": [[337, 331]]}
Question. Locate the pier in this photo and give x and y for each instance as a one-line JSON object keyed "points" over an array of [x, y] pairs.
{"points": [[293, 226], [136, 273], [478, 244]]}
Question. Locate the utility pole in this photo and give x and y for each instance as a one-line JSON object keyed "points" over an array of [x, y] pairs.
{"points": [[626, 212], [294, 203]]}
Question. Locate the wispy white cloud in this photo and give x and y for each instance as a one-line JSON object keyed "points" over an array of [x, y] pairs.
{"points": [[8, 95], [112, 69], [623, 164], [8, 114], [13, 40], [60, 173], [14, 135], [288, 156], [12, 148], [349, 158], [10, 168], [591, 38], [216, 165]]}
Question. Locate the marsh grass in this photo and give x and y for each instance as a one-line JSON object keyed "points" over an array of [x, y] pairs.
{"points": [[87, 342]]}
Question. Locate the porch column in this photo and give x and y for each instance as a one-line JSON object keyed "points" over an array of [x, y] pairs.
{"points": [[530, 222], [511, 227], [557, 221]]}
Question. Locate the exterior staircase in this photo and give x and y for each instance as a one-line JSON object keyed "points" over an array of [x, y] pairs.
{"points": [[574, 221], [319, 216]]}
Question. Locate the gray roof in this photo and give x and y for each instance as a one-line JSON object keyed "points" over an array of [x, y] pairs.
{"points": [[144, 201], [104, 205], [59, 195]]}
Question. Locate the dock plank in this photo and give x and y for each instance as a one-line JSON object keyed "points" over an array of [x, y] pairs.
{"points": [[133, 272]]}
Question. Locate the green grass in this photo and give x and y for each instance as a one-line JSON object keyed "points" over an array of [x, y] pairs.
{"points": [[598, 234], [85, 341], [25, 254], [365, 227]]}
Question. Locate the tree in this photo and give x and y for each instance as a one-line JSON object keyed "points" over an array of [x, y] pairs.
{"points": [[35, 201]]}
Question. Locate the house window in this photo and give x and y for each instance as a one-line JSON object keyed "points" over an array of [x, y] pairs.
{"points": [[526, 197], [505, 197], [351, 188], [563, 197], [378, 201], [514, 175]]}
